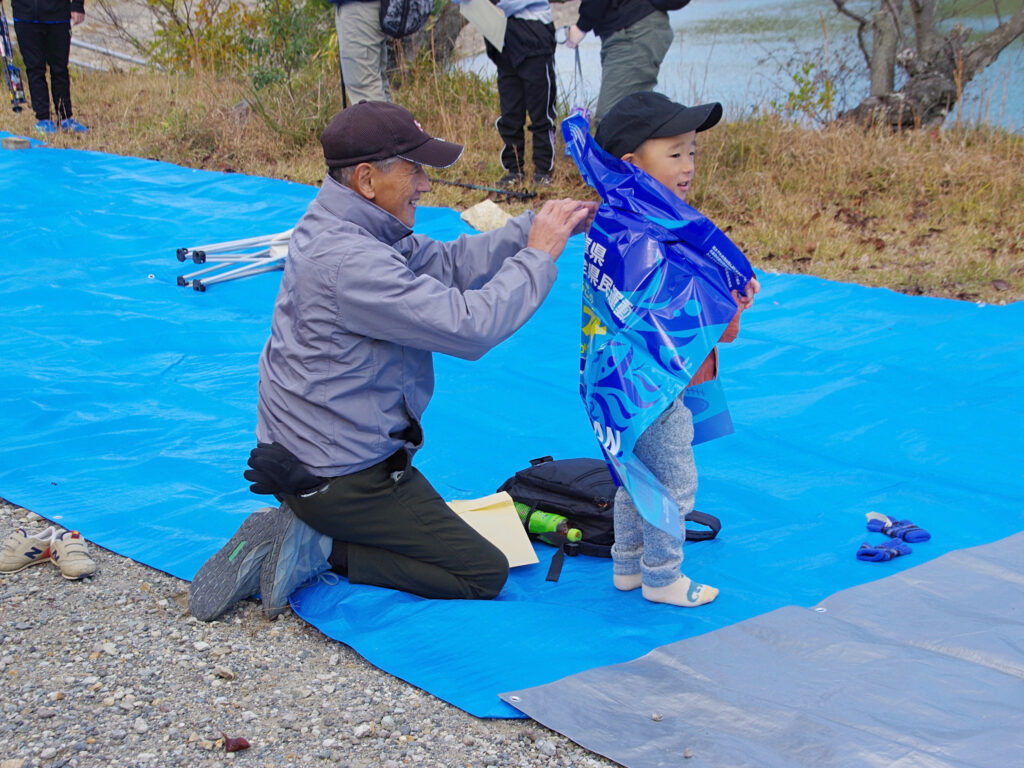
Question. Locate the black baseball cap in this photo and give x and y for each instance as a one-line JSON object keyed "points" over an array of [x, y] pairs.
{"points": [[648, 115], [377, 130]]}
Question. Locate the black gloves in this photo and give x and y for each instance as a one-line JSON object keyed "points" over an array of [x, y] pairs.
{"points": [[276, 470]]}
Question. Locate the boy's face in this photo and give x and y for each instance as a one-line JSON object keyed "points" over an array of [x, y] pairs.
{"points": [[669, 160]]}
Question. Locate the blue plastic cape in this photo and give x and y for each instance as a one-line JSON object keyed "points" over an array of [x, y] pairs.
{"points": [[657, 285]]}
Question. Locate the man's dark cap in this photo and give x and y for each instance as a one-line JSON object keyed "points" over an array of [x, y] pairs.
{"points": [[377, 130], [647, 115]]}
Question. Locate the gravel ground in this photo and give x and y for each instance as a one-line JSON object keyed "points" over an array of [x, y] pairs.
{"points": [[112, 672]]}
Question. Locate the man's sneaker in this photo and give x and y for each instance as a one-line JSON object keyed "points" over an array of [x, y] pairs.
{"points": [[69, 553], [23, 549], [510, 180], [233, 573], [72, 125], [300, 558], [542, 179], [46, 127]]}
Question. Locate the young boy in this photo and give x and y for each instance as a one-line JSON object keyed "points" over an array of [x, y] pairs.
{"points": [[659, 136], [526, 85]]}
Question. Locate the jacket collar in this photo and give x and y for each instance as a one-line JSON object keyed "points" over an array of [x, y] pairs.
{"points": [[346, 204]]}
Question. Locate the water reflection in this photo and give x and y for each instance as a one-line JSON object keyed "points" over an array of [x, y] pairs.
{"points": [[744, 53]]}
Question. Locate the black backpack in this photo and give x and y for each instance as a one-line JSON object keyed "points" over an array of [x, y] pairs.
{"points": [[583, 491], [399, 18]]}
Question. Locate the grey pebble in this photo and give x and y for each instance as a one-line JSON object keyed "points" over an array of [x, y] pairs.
{"points": [[144, 686]]}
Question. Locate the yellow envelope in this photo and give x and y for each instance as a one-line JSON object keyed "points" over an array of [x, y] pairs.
{"points": [[495, 518]]}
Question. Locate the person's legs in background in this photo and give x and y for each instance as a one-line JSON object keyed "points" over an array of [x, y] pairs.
{"points": [[512, 99], [362, 52], [539, 71], [631, 58], [32, 44]]}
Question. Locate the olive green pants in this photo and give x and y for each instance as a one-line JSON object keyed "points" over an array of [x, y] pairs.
{"points": [[631, 58]]}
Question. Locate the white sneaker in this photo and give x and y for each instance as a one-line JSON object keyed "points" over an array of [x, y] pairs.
{"points": [[23, 549], [69, 553]]}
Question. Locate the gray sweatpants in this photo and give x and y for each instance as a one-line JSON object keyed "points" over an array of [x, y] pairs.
{"points": [[665, 447]]}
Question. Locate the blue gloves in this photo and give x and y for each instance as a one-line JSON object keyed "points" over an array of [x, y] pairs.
{"points": [[896, 529], [879, 553]]}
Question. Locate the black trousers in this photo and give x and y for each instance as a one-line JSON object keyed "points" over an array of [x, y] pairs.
{"points": [[527, 89], [42, 46], [402, 535]]}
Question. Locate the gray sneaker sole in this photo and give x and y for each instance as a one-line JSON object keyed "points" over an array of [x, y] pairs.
{"points": [[233, 573]]}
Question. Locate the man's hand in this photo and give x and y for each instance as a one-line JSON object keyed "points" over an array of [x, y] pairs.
{"points": [[557, 221], [574, 36], [746, 299], [277, 471], [77, 17], [584, 226]]}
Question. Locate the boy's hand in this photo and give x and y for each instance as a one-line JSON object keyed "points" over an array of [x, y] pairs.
{"points": [[77, 17], [556, 222], [574, 36], [746, 300]]}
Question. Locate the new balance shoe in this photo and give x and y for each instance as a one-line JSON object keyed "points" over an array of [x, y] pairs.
{"points": [[300, 558], [73, 126], [23, 549], [69, 553], [233, 573], [46, 127]]}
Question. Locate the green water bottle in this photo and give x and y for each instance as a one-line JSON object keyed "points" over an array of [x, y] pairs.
{"points": [[547, 522]]}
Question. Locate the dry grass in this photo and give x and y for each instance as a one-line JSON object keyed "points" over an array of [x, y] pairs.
{"points": [[936, 213]]}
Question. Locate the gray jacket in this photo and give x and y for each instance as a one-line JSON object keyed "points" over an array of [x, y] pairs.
{"points": [[348, 369]]}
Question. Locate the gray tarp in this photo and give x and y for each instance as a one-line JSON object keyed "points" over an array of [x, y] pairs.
{"points": [[920, 669]]}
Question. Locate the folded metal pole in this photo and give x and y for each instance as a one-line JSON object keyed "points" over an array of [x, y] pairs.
{"points": [[249, 242], [240, 272], [201, 258], [183, 279]]}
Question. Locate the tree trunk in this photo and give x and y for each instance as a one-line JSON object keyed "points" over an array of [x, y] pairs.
{"points": [[885, 36], [939, 70]]}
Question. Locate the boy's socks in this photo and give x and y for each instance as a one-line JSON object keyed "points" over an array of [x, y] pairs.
{"points": [[627, 581], [683, 592]]}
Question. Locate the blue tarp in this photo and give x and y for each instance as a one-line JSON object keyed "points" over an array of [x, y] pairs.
{"points": [[128, 408]]}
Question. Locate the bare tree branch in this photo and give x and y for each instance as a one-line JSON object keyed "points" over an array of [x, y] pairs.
{"points": [[862, 24], [985, 51]]}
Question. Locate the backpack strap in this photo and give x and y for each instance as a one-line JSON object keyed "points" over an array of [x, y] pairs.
{"points": [[703, 518]]}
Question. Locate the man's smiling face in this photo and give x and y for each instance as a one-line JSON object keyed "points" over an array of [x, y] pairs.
{"points": [[398, 189]]}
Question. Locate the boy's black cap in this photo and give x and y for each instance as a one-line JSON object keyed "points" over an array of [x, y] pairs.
{"points": [[648, 115], [377, 130]]}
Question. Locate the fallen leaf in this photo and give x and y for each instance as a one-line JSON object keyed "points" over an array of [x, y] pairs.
{"points": [[234, 744], [1000, 285]]}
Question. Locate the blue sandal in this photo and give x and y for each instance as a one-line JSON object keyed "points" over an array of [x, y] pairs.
{"points": [[896, 529]]}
